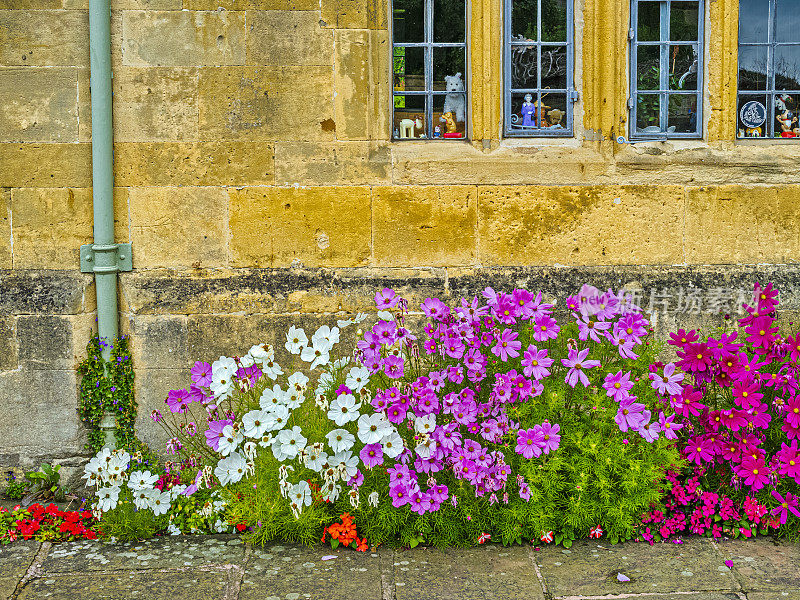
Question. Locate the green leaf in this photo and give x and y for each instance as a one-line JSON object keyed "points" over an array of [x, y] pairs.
{"points": [[334, 544], [567, 543], [414, 543]]}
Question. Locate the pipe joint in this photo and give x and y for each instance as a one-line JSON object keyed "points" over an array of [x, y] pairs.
{"points": [[106, 258]]}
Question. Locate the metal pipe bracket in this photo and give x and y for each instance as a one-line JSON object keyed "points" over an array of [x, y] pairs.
{"points": [[106, 258]]}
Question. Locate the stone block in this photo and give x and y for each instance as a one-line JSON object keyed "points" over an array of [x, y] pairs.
{"points": [[151, 388], [46, 292], [45, 342], [355, 14], [251, 4], [6, 241], [764, 565], [50, 225], [39, 105], [178, 226], [9, 358], [361, 81], [15, 559], [316, 226], [119, 5], [158, 342], [183, 38], [743, 224], [200, 584], [286, 571], [65, 34], [332, 163], [155, 104], [39, 419], [585, 225], [432, 225], [491, 572], [266, 103], [590, 569], [288, 37], [45, 165], [194, 164], [29, 4]]}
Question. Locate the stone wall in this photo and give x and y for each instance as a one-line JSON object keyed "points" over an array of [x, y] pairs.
{"points": [[257, 183]]}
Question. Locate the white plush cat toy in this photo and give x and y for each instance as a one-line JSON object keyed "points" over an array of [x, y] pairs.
{"points": [[455, 103]]}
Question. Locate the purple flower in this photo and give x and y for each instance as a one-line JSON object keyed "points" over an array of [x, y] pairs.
{"points": [[545, 328], [536, 362], [386, 298], [668, 426], [507, 345], [524, 491], [201, 373], [669, 384], [214, 433], [787, 503], [372, 455], [393, 366], [577, 363], [178, 400], [550, 437], [617, 385], [530, 442], [630, 414]]}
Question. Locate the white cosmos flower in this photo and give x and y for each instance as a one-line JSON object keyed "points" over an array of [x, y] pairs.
{"points": [[357, 378], [330, 491], [425, 424], [294, 398], [372, 428], [107, 498], [298, 381], [340, 440], [327, 334], [277, 450], [272, 397], [265, 441], [315, 462], [230, 440], [255, 423], [392, 445], [344, 409], [271, 369], [249, 450], [426, 447], [318, 354], [160, 502], [372, 499], [231, 469], [140, 480], [261, 353], [292, 441], [141, 498], [246, 361], [324, 383], [295, 340], [347, 460], [385, 315], [276, 418], [342, 323], [301, 493]]}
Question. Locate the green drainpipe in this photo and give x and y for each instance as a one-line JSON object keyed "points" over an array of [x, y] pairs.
{"points": [[104, 258]]}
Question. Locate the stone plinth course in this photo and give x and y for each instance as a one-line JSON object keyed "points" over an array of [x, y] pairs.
{"points": [[226, 568]]}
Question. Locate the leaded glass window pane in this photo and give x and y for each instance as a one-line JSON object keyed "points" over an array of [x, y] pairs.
{"points": [[429, 69], [769, 69], [666, 69], [539, 91]]}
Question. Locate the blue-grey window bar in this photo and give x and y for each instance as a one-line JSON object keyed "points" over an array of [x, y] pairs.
{"points": [[510, 128], [664, 92]]}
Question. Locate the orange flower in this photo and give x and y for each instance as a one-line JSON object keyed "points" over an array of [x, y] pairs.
{"points": [[361, 545]]}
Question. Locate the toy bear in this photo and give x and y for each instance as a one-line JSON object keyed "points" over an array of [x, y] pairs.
{"points": [[455, 102]]}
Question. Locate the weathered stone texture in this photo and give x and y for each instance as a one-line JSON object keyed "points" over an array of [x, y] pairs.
{"points": [[45, 342], [38, 105], [50, 225], [65, 33], [251, 4], [46, 292], [429, 225], [178, 226], [317, 227], [183, 38], [287, 37], [6, 242], [355, 14], [332, 163], [580, 225], [266, 103], [45, 165], [158, 341], [736, 224], [9, 355], [193, 163]]}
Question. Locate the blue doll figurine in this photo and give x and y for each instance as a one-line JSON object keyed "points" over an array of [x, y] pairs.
{"points": [[528, 112]]}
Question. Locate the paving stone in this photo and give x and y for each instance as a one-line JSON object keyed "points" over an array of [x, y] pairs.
{"points": [[491, 573], [196, 585], [590, 569], [765, 565], [277, 572], [14, 562], [156, 553]]}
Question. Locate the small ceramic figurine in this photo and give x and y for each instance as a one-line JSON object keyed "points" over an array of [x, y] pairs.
{"points": [[785, 117], [449, 123], [555, 116], [528, 111], [437, 132], [406, 129], [455, 100]]}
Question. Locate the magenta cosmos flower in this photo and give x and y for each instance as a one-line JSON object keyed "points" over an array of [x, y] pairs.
{"points": [[545, 328], [535, 363], [577, 363], [529, 442], [178, 400], [201, 373], [617, 385], [214, 433], [372, 455], [550, 437], [789, 460], [507, 345], [787, 503], [386, 298]]}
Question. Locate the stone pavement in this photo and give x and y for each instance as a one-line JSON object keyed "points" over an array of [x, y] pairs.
{"points": [[224, 568]]}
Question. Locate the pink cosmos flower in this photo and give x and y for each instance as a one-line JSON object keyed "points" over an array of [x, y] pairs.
{"points": [[550, 437], [545, 328], [747, 393], [590, 328], [535, 363], [577, 363], [682, 338], [507, 345], [787, 504], [618, 385], [371, 455], [760, 333], [201, 373], [754, 472], [696, 358], [178, 401], [793, 411], [393, 366], [630, 414], [386, 298], [529, 442], [789, 460], [794, 347], [669, 426], [699, 451], [214, 433], [669, 383]]}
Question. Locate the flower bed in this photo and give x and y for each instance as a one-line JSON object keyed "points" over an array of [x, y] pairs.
{"points": [[500, 419]]}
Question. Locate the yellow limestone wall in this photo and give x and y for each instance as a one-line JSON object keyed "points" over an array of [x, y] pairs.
{"points": [[256, 133]]}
